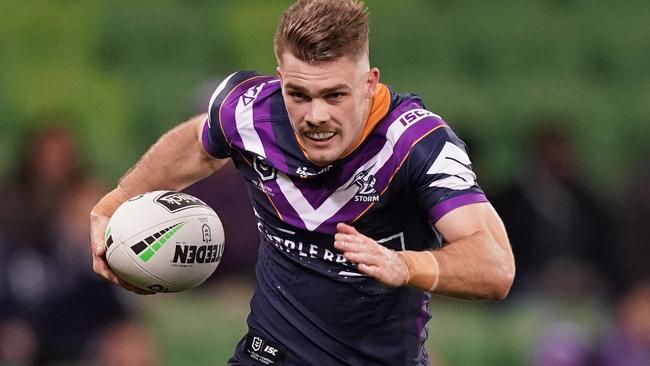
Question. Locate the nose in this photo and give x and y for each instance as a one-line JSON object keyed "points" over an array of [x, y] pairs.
{"points": [[318, 113]]}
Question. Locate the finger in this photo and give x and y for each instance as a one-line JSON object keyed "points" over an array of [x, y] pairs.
{"points": [[340, 245], [132, 288], [99, 250], [364, 246], [362, 257], [342, 227], [342, 236], [98, 226], [350, 245], [100, 264], [101, 267], [352, 233], [103, 270], [369, 270], [97, 220], [343, 240]]}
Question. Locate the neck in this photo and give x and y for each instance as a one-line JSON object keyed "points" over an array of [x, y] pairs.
{"points": [[375, 109]]}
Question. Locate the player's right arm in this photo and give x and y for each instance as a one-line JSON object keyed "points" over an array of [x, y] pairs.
{"points": [[186, 154], [175, 161]]}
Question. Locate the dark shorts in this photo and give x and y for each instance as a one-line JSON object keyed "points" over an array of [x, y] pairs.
{"points": [[255, 349]]}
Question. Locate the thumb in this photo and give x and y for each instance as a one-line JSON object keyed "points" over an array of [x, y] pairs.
{"points": [[98, 224], [99, 217]]}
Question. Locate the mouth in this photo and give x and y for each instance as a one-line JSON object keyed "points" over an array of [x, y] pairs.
{"points": [[319, 136]]}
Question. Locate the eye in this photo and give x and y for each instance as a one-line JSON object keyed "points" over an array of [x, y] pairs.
{"points": [[297, 96], [335, 96]]}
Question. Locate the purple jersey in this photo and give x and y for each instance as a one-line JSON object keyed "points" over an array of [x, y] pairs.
{"points": [[310, 305]]}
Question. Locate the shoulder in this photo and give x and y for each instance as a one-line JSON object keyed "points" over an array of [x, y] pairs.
{"points": [[242, 86], [440, 164], [421, 138], [408, 123], [241, 105]]}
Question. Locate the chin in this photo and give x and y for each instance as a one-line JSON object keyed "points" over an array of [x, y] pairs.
{"points": [[321, 160]]}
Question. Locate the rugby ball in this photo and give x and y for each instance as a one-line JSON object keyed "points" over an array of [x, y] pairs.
{"points": [[164, 241]]}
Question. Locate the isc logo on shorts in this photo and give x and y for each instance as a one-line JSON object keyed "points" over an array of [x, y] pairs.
{"points": [[263, 350]]}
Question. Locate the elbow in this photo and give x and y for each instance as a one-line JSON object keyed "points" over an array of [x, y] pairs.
{"points": [[503, 282]]}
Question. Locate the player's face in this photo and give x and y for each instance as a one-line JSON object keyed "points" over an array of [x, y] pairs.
{"points": [[328, 103]]}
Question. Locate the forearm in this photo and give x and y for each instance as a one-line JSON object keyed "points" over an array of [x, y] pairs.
{"points": [[474, 267], [477, 262], [175, 161], [470, 268]]}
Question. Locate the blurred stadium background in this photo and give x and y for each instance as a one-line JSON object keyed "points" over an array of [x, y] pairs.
{"points": [[115, 76]]}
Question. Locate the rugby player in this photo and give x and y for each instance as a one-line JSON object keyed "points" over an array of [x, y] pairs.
{"points": [[366, 202]]}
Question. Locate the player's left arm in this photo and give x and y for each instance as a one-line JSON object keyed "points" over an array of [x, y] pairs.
{"points": [[477, 262]]}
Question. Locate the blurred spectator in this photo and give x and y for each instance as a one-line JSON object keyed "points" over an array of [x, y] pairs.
{"points": [[563, 344], [53, 308], [558, 229], [47, 170], [632, 253], [628, 344]]}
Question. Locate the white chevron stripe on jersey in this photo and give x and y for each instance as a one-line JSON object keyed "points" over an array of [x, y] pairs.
{"points": [[453, 162], [313, 217], [244, 121], [216, 94]]}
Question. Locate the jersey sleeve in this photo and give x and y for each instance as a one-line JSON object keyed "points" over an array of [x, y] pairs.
{"points": [[440, 171], [215, 141]]}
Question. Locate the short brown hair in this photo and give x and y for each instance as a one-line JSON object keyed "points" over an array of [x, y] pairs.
{"points": [[323, 30]]}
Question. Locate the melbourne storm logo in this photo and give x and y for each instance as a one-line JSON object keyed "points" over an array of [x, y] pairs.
{"points": [[366, 187]]}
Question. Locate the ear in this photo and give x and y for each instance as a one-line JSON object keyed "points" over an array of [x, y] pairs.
{"points": [[372, 81], [278, 72]]}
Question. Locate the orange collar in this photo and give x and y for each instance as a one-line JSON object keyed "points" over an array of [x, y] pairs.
{"points": [[378, 110]]}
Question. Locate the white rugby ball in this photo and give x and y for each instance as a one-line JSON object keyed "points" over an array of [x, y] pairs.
{"points": [[164, 241]]}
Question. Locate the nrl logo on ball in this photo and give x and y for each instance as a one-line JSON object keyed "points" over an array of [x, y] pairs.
{"points": [[176, 201]]}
